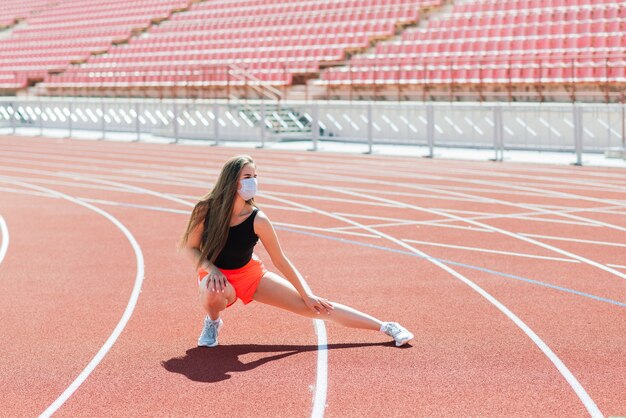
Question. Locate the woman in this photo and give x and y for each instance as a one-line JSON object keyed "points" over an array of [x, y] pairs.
{"points": [[221, 234]]}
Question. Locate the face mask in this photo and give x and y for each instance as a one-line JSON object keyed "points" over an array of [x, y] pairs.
{"points": [[248, 190]]}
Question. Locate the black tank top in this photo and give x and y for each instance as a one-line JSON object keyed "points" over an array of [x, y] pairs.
{"points": [[241, 241]]}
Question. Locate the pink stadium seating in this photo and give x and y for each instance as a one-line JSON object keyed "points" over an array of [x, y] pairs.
{"points": [[266, 41], [503, 41], [69, 31], [170, 43]]}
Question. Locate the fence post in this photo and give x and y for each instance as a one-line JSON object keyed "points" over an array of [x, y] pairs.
{"points": [[315, 125], [137, 121], [175, 120], [430, 130], [498, 137], [41, 119], [12, 115], [578, 132], [262, 124], [69, 120], [104, 126], [216, 124], [370, 128]]}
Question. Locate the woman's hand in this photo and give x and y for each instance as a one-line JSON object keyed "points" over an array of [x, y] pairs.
{"points": [[216, 281], [317, 304]]}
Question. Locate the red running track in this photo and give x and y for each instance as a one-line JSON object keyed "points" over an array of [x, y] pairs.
{"points": [[512, 277]]}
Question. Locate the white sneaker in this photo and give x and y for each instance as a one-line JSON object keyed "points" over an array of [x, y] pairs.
{"points": [[396, 331], [211, 329]]}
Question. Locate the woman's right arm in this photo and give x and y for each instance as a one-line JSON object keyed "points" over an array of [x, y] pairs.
{"points": [[216, 280]]}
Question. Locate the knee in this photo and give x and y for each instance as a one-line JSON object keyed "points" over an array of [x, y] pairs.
{"points": [[210, 298]]}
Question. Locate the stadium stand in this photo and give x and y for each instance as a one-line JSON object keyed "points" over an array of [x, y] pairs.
{"points": [[336, 49], [12, 14], [244, 43], [513, 43], [67, 32]]}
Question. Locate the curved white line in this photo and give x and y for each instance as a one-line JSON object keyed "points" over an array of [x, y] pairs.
{"points": [[561, 367], [4, 232], [132, 302], [321, 380]]}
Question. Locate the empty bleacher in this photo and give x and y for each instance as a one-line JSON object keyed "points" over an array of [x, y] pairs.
{"points": [[500, 43], [338, 49], [242, 43], [70, 31], [10, 15]]}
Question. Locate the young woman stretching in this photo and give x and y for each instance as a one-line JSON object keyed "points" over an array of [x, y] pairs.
{"points": [[224, 227]]}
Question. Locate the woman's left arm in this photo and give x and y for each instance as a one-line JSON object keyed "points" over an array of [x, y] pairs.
{"points": [[266, 233]]}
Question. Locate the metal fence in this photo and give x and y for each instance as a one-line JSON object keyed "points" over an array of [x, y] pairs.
{"points": [[567, 127]]}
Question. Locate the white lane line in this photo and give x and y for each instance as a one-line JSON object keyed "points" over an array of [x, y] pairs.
{"points": [[584, 241], [131, 205], [399, 221], [313, 228], [617, 266], [441, 221], [321, 380], [383, 225], [4, 233], [485, 250], [21, 191], [6, 167], [561, 367], [47, 182], [130, 307]]}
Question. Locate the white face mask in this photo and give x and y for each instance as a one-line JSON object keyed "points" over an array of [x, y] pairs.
{"points": [[249, 188]]}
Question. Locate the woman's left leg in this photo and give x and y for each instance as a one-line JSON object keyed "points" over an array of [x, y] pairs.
{"points": [[276, 291]]}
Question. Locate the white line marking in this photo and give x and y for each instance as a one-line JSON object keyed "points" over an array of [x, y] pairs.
{"points": [[132, 205], [617, 266], [484, 250], [328, 230], [585, 241], [321, 380], [25, 192], [130, 307], [4, 232]]}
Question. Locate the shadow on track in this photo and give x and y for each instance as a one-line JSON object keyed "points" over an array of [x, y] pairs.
{"points": [[212, 365]]}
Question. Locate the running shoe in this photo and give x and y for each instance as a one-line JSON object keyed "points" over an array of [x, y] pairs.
{"points": [[211, 329], [396, 331]]}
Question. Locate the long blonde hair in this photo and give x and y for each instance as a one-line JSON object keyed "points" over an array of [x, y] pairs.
{"points": [[215, 209]]}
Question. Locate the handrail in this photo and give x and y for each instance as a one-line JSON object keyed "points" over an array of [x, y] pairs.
{"points": [[265, 89]]}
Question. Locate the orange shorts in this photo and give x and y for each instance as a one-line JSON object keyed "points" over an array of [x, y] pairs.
{"points": [[244, 280]]}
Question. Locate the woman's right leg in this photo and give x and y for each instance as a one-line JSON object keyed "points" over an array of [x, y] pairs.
{"points": [[277, 291]]}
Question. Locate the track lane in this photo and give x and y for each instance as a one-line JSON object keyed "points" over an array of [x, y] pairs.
{"points": [[53, 342]]}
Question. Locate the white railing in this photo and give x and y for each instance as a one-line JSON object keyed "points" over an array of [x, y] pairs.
{"points": [[566, 127]]}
